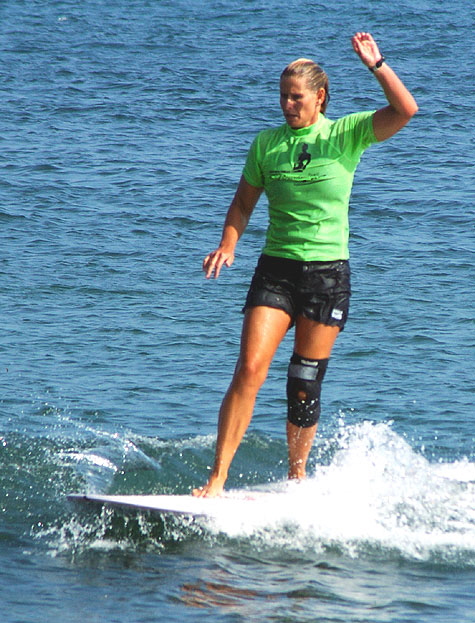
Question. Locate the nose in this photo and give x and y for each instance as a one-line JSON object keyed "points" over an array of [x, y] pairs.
{"points": [[286, 103]]}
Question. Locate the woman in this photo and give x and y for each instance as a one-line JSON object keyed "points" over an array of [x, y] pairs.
{"points": [[306, 169]]}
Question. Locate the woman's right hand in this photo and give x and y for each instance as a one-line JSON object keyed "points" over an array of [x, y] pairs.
{"points": [[215, 260], [237, 218]]}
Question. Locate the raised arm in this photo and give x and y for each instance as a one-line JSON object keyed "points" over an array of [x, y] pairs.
{"points": [[402, 105], [237, 218]]}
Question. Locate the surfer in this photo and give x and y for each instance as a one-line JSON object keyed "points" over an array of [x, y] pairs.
{"points": [[302, 279]]}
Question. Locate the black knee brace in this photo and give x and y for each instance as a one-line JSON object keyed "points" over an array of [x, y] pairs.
{"points": [[304, 384]]}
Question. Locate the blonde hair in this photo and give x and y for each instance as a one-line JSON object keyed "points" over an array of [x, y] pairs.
{"points": [[314, 76]]}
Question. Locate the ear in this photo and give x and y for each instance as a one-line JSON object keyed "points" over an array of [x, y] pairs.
{"points": [[321, 95]]}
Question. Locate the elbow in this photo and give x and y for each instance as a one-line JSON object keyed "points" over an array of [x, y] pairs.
{"points": [[407, 113], [406, 108], [413, 110]]}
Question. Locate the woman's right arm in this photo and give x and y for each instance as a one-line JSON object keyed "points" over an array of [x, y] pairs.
{"points": [[236, 221]]}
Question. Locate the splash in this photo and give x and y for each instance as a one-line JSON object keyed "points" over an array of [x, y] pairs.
{"points": [[376, 497]]}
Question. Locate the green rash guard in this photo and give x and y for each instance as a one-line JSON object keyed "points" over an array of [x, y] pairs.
{"points": [[307, 175]]}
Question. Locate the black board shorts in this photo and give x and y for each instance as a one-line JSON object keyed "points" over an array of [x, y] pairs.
{"points": [[319, 291]]}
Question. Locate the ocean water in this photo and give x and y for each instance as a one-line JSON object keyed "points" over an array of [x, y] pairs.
{"points": [[123, 130]]}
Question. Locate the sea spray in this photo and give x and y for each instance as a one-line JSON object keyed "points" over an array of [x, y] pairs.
{"points": [[376, 495]]}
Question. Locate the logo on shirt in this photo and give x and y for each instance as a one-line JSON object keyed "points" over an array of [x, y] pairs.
{"points": [[303, 158]]}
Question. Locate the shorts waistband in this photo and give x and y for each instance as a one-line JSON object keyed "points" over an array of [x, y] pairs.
{"points": [[272, 261]]}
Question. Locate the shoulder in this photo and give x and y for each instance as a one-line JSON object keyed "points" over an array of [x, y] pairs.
{"points": [[267, 140], [272, 134], [353, 120], [356, 126]]}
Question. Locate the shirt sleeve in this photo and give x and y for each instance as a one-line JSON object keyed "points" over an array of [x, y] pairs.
{"points": [[252, 171], [358, 132]]}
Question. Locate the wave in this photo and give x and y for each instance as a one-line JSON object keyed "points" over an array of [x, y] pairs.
{"points": [[370, 494], [376, 497]]}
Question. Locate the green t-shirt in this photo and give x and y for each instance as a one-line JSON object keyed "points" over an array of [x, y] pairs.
{"points": [[307, 175]]}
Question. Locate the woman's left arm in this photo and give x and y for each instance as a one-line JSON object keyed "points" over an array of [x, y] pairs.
{"points": [[402, 105]]}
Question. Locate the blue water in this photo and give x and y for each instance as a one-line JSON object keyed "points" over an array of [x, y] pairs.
{"points": [[123, 130]]}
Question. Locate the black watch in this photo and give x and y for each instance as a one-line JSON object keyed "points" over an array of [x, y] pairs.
{"points": [[378, 65]]}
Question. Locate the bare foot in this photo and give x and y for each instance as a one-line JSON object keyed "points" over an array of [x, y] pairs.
{"points": [[212, 489]]}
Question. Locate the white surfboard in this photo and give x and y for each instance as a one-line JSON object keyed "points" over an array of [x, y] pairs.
{"points": [[174, 504]]}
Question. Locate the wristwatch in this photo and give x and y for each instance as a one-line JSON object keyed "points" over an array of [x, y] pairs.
{"points": [[378, 65]]}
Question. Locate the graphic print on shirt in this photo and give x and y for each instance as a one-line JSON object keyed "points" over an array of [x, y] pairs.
{"points": [[300, 167], [304, 159]]}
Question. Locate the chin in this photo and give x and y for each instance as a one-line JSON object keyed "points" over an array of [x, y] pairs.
{"points": [[293, 122]]}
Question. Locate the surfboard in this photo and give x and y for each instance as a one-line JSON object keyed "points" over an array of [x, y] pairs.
{"points": [[172, 504]]}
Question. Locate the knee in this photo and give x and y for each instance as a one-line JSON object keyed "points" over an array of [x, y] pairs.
{"points": [[251, 373], [304, 385]]}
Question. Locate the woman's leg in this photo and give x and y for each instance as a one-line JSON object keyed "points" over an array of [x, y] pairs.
{"points": [[263, 330], [315, 341]]}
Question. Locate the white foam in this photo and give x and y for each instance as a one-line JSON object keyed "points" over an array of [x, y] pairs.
{"points": [[90, 458], [376, 494]]}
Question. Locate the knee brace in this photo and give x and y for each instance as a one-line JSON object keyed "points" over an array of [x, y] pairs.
{"points": [[304, 383]]}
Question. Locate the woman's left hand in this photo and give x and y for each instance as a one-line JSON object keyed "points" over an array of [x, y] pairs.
{"points": [[401, 104], [366, 48]]}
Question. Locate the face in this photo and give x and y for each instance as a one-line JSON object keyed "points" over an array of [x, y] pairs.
{"points": [[300, 105]]}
